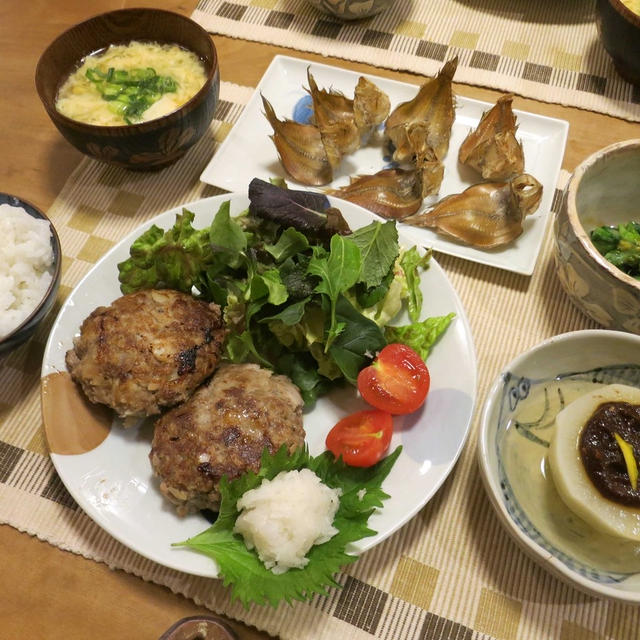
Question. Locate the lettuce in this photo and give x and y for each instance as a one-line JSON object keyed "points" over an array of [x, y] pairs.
{"points": [[299, 292], [420, 336]]}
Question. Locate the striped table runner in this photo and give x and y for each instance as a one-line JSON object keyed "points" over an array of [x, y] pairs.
{"points": [[549, 51], [451, 573]]}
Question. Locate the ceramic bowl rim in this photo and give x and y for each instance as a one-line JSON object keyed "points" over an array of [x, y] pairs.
{"points": [[625, 12], [491, 483], [57, 265], [572, 211], [139, 127]]}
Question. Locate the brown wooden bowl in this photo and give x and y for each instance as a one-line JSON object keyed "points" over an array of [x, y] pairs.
{"points": [[619, 29], [147, 145]]}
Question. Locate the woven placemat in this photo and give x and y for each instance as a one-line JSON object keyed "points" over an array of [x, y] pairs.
{"points": [[451, 573], [549, 51]]}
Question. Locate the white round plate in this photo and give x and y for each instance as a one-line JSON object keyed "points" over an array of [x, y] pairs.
{"points": [[114, 483]]}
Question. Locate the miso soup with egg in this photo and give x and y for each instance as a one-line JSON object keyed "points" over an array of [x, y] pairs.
{"points": [[633, 5], [131, 83]]}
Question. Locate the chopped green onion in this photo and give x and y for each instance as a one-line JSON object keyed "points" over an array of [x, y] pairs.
{"points": [[131, 92]]}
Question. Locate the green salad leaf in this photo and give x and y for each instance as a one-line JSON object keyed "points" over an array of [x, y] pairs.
{"points": [[411, 262], [299, 292], [420, 336], [360, 337], [172, 260], [379, 249], [338, 271], [241, 568]]}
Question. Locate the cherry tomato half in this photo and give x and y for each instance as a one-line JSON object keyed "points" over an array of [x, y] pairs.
{"points": [[361, 438], [397, 381]]}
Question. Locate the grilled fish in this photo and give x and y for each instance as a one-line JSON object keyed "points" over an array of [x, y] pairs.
{"points": [[485, 215], [391, 193], [492, 149], [301, 149]]}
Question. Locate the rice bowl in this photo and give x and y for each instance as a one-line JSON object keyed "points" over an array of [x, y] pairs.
{"points": [[26, 258], [30, 265]]}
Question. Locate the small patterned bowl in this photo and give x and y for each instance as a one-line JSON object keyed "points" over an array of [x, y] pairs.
{"points": [[603, 190], [147, 145], [25, 330], [512, 450], [350, 9]]}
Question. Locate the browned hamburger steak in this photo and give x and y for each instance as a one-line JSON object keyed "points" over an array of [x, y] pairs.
{"points": [[147, 350], [222, 430]]}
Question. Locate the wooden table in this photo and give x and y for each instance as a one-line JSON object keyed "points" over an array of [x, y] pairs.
{"points": [[46, 592]]}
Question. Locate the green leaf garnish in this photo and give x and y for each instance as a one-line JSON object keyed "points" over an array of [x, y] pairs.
{"points": [[620, 246], [288, 245], [629, 460], [241, 568]]}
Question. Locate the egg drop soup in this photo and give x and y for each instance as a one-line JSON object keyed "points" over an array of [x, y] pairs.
{"points": [[634, 5], [132, 83]]}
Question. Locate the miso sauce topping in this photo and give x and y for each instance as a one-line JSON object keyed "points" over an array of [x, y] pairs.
{"points": [[601, 454], [132, 83]]}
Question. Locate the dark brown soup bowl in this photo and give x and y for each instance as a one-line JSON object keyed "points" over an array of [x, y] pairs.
{"points": [[619, 29], [147, 145]]}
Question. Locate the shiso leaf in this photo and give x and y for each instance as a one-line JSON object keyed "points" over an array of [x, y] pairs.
{"points": [[241, 568], [629, 460]]}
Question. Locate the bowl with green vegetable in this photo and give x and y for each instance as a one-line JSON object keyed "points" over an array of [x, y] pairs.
{"points": [[135, 88], [597, 237]]}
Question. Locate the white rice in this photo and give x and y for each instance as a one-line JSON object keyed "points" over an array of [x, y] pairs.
{"points": [[284, 517], [26, 257]]}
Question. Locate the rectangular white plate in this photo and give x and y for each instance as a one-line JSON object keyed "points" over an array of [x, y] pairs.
{"points": [[248, 152]]}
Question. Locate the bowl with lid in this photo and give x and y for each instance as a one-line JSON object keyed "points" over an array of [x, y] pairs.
{"points": [[30, 264], [596, 263], [140, 140]]}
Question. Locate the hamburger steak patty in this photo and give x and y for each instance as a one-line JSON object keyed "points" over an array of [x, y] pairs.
{"points": [[222, 430], [147, 350]]}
